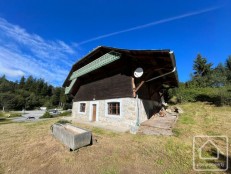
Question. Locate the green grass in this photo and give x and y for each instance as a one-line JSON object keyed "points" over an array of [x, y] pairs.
{"points": [[63, 121], [176, 132], [10, 114], [15, 114], [6, 117], [2, 114], [66, 113], [101, 131], [185, 119]]}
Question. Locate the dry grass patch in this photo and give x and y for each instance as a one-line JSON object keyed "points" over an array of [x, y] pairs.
{"points": [[30, 147]]}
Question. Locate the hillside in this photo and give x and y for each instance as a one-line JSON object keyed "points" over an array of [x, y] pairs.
{"points": [[31, 147], [30, 93]]}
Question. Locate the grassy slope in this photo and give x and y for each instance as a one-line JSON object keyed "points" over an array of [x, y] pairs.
{"points": [[30, 148], [5, 117]]}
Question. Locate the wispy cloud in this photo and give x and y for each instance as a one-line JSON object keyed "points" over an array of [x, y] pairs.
{"points": [[22, 53], [151, 24]]}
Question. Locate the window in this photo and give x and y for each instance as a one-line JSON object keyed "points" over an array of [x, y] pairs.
{"points": [[114, 108], [82, 107]]}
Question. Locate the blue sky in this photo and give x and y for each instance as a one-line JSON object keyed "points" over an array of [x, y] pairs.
{"points": [[44, 38]]}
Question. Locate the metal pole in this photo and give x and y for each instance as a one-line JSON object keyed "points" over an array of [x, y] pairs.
{"points": [[137, 112]]}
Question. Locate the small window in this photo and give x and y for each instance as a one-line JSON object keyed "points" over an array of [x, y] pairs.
{"points": [[82, 107], [114, 108]]}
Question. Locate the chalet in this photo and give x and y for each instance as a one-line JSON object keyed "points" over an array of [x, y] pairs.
{"points": [[120, 85]]}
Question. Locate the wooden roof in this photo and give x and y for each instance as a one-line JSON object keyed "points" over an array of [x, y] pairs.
{"points": [[154, 63]]}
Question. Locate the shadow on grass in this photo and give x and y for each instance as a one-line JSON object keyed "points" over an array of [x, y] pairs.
{"points": [[4, 120], [223, 159], [215, 100]]}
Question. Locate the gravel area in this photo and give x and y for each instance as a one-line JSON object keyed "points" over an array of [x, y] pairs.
{"points": [[30, 116]]}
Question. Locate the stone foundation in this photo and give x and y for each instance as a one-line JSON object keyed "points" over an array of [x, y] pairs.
{"points": [[129, 109]]}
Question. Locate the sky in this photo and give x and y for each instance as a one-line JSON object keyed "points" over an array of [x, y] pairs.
{"points": [[44, 38]]}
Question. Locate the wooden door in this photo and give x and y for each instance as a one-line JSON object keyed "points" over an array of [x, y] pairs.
{"points": [[94, 112]]}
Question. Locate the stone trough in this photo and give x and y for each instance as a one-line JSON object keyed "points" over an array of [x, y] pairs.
{"points": [[72, 136]]}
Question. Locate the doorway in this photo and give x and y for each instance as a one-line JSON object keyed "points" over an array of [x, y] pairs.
{"points": [[93, 112]]}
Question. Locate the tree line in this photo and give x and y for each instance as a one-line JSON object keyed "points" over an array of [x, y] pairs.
{"points": [[31, 93], [206, 76], [207, 83]]}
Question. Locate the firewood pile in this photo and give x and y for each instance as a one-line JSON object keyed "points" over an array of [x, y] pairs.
{"points": [[172, 110]]}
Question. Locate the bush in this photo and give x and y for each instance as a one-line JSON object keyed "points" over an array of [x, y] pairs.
{"points": [[2, 114], [218, 96], [67, 106], [66, 113], [63, 122], [10, 114], [15, 114], [48, 104], [47, 115]]}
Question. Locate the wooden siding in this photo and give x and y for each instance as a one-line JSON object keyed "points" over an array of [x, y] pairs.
{"points": [[149, 91], [117, 86]]}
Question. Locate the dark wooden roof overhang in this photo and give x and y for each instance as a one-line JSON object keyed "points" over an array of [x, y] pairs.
{"points": [[153, 62]]}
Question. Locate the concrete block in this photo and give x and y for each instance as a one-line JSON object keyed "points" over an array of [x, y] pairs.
{"points": [[72, 136]]}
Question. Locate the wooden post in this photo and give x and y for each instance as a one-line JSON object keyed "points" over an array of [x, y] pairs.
{"points": [[139, 86], [133, 87]]}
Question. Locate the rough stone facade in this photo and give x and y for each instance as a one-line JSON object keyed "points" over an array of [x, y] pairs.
{"points": [[131, 110]]}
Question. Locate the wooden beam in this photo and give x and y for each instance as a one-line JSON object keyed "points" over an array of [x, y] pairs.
{"points": [[139, 86], [133, 87]]}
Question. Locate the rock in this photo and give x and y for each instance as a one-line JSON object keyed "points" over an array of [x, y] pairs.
{"points": [[162, 113], [178, 110], [169, 110]]}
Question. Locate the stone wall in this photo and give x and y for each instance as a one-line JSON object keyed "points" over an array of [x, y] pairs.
{"points": [[128, 110]]}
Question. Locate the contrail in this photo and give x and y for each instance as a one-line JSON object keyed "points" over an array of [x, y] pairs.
{"points": [[150, 24]]}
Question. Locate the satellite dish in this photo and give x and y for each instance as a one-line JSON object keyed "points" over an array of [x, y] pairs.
{"points": [[138, 72]]}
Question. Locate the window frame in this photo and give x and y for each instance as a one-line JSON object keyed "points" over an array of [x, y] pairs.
{"points": [[79, 109], [107, 102], [113, 108]]}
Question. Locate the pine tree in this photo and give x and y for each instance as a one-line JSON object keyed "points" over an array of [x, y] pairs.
{"points": [[202, 72], [228, 68], [55, 99], [22, 82], [201, 67], [218, 76], [63, 98], [30, 84], [3, 78], [228, 63]]}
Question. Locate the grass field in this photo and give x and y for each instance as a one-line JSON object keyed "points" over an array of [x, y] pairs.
{"points": [[30, 147]]}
